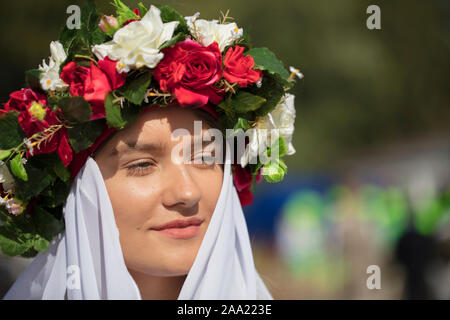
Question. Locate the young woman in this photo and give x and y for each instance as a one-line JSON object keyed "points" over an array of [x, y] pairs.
{"points": [[92, 179], [140, 225]]}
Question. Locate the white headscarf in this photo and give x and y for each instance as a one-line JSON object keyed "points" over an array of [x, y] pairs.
{"points": [[86, 261]]}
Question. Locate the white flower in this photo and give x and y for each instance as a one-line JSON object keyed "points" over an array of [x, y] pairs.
{"points": [[57, 52], [122, 67], [6, 179], [206, 32], [49, 78], [136, 45], [191, 19], [29, 145], [237, 33], [261, 136], [14, 207], [295, 72]]}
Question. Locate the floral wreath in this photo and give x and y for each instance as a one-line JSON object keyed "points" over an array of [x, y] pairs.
{"points": [[98, 79]]}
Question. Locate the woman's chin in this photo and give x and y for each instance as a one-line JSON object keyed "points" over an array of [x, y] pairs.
{"points": [[165, 260], [165, 268]]}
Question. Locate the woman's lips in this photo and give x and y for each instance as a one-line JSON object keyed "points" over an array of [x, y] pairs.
{"points": [[180, 228]]}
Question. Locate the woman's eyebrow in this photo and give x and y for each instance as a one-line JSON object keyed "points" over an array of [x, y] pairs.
{"points": [[152, 146], [135, 146]]}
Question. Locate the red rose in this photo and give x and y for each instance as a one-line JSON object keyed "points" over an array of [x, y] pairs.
{"points": [[116, 79], [243, 183], [239, 68], [242, 177], [20, 100], [189, 71], [245, 197], [93, 83]]}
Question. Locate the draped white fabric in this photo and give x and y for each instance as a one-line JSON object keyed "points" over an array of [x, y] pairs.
{"points": [[86, 261]]}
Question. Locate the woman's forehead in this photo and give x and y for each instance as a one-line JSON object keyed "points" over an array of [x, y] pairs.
{"points": [[157, 126], [165, 120]]}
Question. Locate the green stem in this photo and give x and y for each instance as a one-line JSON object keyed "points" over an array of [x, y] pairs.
{"points": [[80, 56]]}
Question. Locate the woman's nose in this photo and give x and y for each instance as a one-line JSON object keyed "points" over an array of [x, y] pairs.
{"points": [[180, 188]]}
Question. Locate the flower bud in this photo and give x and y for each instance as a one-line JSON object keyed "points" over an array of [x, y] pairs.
{"points": [[108, 24]]}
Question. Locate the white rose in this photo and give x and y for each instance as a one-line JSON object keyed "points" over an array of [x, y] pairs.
{"points": [[284, 118], [206, 32], [136, 45], [49, 78], [57, 52], [5, 177], [261, 135]]}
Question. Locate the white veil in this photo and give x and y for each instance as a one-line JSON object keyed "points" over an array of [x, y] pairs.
{"points": [[86, 261]]}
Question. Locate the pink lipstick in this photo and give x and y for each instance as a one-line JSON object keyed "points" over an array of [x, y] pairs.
{"points": [[180, 228]]}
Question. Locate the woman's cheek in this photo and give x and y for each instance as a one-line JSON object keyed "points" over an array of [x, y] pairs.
{"points": [[133, 200]]}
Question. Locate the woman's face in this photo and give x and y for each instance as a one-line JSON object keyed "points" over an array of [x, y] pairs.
{"points": [[148, 190]]}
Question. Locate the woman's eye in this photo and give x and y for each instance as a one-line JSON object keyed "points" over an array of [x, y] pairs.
{"points": [[139, 169]]}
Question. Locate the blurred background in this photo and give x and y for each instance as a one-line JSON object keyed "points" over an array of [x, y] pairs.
{"points": [[369, 184]]}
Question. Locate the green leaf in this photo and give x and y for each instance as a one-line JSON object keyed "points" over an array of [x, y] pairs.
{"points": [[123, 12], [244, 102], [18, 169], [229, 119], [246, 39], [66, 37], [135, 90], [274, 171], [266, 60], [55, 195], [225, 105], [75, 109], [142, 9], [47, 225], [254, 168], [10, 245], [241, 124], [113, 113], [38, 180], [62, 190], [89, 16], [40, 244], [179, 37], [272, 90], [282, 146], [79, 41], [99, 37], [130, 112], [4, 154], [11, 133], [80, 46], [52, 102], [82, 136], [90, 29], [32, 79], [20, 226], [168, 14], [61, 171]]}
